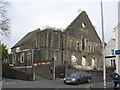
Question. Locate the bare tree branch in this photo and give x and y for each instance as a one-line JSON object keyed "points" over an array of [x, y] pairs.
{"points": [[4, 21]]}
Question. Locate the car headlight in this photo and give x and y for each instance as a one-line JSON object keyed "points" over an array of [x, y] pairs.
{"points": [[73, 79], [64, 78]]}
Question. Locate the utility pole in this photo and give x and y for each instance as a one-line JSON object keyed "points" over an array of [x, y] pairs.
{"points": [[54, 64], [103, 43]]}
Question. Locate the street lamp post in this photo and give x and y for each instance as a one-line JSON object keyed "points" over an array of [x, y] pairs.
{"points": [[54, 64], [104, 67]]}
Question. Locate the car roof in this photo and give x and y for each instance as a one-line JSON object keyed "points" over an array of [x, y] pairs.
{"points": [[79, 72]]}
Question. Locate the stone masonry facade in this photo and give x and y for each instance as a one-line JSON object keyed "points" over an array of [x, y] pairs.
{"points": [[77, 47]]}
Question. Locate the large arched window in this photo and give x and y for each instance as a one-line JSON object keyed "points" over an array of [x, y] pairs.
{"points": [[83, 42], [93, 61], [83, 61], [22, 58]]}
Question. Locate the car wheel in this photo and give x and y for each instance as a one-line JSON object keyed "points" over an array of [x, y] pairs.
{"points": [[89, 80]]}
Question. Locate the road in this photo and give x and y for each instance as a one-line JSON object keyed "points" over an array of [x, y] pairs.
{"points": [[9, 83], [14, 83]]}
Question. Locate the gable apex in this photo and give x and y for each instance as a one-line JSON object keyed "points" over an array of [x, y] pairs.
{"points": [[82, 25], [82, 18]]}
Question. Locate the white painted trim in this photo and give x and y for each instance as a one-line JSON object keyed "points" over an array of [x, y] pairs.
{"points": [[24, 67]]}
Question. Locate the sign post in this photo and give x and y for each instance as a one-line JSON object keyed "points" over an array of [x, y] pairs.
{"points": [[34, 65]]}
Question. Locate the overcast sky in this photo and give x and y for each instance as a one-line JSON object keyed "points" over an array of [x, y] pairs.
{"points": [[28, 15]]}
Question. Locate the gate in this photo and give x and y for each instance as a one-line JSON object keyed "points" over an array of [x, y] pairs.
{"points": [[60, 72]]}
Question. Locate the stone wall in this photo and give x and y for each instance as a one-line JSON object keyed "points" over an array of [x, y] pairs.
{"points": [[43, 71], [16, 74]]}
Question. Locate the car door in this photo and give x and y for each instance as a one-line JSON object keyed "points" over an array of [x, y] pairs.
{"points": [[82, 78], [86, 75]]}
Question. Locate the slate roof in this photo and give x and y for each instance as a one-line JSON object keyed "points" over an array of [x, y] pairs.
{"points": [[25, 38]]}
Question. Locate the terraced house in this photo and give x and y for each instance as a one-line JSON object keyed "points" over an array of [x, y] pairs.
{"points": [[57, 52]]}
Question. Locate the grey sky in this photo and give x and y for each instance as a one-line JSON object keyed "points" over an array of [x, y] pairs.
{"points": [[28, 15]]}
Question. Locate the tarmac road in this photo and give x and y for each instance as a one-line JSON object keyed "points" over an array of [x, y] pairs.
{"points": [[14, 83]]}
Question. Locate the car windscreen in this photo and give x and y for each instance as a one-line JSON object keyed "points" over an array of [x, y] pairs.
{"points": [[74, 75]]}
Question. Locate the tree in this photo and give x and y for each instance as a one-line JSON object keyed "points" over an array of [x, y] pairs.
{"points": [[0, 51], [4, 52], [4, 21]]}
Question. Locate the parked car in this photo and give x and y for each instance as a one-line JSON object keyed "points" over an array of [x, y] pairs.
{"points": [[77, 78]]}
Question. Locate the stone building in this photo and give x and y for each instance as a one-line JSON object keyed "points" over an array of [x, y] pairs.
{"points": [[57, 52]]}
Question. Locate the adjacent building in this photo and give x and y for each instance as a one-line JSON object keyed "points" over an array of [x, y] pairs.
{"points": [[110, 54], [56, 52], [112, 51], [117, 46]]}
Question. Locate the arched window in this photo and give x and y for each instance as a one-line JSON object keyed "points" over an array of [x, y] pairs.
{"points": [[94, 48], [83, 61], [14, 59], [73, 58], [93, 61], [83, 42], [22, 58], [71, 44], [89, 47]]}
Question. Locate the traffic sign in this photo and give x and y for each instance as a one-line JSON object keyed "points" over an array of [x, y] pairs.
{"points": [[35, 64], [117, 52]]}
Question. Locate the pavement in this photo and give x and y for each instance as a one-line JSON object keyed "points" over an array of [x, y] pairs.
{"points": [[109, 85]]}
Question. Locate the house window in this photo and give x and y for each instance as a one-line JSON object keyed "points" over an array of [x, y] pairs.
{"points": [[83, 43], [113, 62], [112, 52], [83, 61], [22, 58]]}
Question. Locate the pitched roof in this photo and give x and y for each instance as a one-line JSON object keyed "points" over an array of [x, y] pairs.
{"points": [[80, 17], [25, 38]]}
